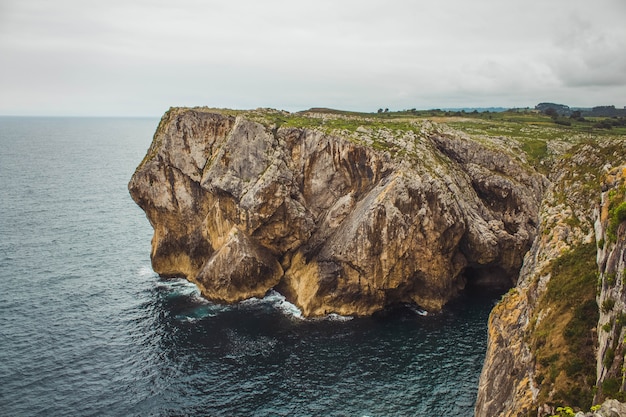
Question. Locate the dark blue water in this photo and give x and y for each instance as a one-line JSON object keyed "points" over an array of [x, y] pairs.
{"points": [[87, 329]]}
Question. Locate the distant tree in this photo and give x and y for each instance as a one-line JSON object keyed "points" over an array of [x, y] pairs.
{"points": [[551, 111], [380, 110], [604, 124], [386, 110], [576, 114]]}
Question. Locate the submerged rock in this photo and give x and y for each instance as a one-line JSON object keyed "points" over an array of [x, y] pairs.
{"points": [[343, 221]]}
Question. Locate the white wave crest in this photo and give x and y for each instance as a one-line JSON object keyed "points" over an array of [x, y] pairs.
{"points": [[145, 271], [419, 311], [277, 301], [201, 312], [337, 317]]}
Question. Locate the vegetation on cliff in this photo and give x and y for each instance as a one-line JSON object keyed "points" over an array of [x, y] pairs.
{"points": [[561, 333]]}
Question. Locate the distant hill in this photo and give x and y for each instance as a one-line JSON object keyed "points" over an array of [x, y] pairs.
{"points": [[478, 109], [564, 110], [603, 111]]}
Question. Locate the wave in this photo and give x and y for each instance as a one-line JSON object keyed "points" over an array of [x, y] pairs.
{"points": [[201, 312], [337, 317], [276, 301], [196, 307], [201, 308], [180, 287], [419, 311], [146, 271]]}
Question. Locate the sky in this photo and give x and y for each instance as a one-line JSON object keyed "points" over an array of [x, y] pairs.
{"points": [[140, 57]]}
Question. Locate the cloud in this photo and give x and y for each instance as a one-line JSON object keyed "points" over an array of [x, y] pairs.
{"points": [[141, 56], [589, 54]]}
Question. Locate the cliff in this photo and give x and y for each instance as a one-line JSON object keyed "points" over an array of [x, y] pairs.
{"points": [[543, 339], [611, 241], [349, 214], [344, 219]]}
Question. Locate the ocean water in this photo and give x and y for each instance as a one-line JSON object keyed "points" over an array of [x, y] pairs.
{"points": [[88, 329]]}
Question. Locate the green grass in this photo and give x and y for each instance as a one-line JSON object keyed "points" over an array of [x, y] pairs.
{"points": [[573, 275], [536, 150], [617, 212], [563, 341]]}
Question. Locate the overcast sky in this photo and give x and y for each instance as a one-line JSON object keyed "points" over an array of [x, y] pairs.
{"points": [[139, 57]]}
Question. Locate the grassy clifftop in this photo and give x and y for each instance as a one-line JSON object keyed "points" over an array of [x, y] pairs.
{"points": [[529, 134]]}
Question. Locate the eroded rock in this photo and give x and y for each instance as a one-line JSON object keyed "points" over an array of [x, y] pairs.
{"points": [[335, 221]]}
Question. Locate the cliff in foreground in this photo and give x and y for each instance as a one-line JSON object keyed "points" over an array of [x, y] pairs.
{"points": [[345, 221], [350, 214]]}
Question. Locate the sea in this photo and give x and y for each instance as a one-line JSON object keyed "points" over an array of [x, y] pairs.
{"points": [[88, 329]]}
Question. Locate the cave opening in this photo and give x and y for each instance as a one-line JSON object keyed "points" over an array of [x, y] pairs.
{"points": [[489, 280]]}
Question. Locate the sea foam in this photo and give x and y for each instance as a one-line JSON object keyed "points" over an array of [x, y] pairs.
{"points": [[277, 301]]}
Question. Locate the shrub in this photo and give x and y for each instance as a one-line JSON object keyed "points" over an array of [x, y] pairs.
{"points": [[620, 213], [564, 412], [607, 305], [617, 215], [609, 357], [574, 366], [610, 387], [609, 278], [577, 331], [549, 360]]}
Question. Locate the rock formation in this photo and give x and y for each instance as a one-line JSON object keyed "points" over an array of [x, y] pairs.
{"points": [[542, 335], [610, 229], [347, 221], [345, 214]]}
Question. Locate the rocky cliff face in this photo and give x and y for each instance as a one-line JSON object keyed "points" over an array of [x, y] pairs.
{"points": [[611, 241], [345, 220], [543, 341], [349, 215]]}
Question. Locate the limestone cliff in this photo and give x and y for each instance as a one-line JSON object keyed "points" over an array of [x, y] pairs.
{"points": [[542, 335], [611, 240], [341, 216], [350, 214]]}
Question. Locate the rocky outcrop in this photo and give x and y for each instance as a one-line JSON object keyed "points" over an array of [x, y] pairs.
{"points": [[610, 229], [349, 215], [348, 220], [542, 335], [610, 408]]}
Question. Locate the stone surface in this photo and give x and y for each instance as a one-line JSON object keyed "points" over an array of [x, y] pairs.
{"points": [[508, 384], [335, 223], [612, 291]]}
